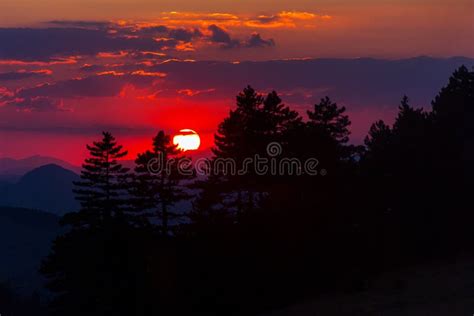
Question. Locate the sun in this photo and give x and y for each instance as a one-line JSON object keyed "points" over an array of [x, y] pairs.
{"points": [[187, 139]]}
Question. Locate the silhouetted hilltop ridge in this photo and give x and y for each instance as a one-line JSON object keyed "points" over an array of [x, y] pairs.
{"points": [[47, 188], [12, 169]]}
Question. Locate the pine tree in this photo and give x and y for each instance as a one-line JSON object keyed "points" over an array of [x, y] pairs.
{"points": [[329, 118], [102, 189], [328, 132], [256, 122], [453, 114], [99, 266], [159, 182]]}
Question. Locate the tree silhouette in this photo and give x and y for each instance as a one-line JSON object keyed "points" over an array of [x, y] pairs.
{"points": [[158, 184], [98, 267], [328, 128], [256, 122], [327, 118], [402, 199], [453, 140], [378, 144], [102, 186], [453, 113]]}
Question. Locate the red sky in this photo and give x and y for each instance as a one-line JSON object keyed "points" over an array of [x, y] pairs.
{"points": [[70, 69]]}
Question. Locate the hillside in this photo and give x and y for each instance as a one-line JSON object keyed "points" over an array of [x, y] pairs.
{"points": [[25, 238], [48, 188]]}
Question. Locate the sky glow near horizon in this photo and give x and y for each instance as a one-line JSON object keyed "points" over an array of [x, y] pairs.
{"points": [[69, 69]]}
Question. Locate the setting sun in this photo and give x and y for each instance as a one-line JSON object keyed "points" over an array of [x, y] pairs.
{"points": [[187, 139]]}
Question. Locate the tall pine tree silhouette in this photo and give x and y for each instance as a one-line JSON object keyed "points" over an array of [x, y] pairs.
{"points": [[99, 266], [247, 131], [102, 188], [328, 129], [158, 185]]}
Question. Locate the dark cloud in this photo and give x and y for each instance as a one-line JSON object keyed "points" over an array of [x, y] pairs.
{"points": [[81, 24], [358, 82], [44, 44], [106, 85], [220, 36], [152, 30], [149, 55], [19, 75], [48, 96], [265, 19], [88, 38], [256, 40], [92, 68], [184, 34], [38, 104], [172, 34]]}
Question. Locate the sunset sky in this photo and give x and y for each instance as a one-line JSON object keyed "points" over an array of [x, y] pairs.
{"points": [[72, 68]]}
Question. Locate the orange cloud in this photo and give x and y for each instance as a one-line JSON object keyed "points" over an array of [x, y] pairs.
{"points": [[285, 19], [57, 61], [149, 74], [110, 73], [119, 54], [200, 19], [185, 47], [46, 72], [296, 15], [5, 95], [192, 93]]}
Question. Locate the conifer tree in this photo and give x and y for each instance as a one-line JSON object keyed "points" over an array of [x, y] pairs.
{"points": [[327, 129], [158, 186], [328, 118], [99, 266], [453, 114], [102, 189], [256, 122]]}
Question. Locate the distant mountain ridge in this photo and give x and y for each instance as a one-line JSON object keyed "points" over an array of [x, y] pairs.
{"points": [[12, 169], [47, 188]]}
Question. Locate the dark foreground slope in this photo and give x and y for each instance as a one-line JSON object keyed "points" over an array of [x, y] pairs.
{"points": [[25, 239], [435, 289]]}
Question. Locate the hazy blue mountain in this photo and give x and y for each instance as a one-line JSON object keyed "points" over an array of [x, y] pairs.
{"points": [[11, 170], [25, 238], [47, 188]]}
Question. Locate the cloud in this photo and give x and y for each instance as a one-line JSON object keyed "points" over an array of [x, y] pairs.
{"points": [[192, 93], [64, 40], [297, 15], [92, 68], [202, 20], [107, 84], [285, 19], [222, 37], [148, 74], [38, 104], [80, 24], [50, 96], [5, 95], [256, 40], [110, 73], [185, 35], [151, 30], [24, 74], [30, 44]]}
